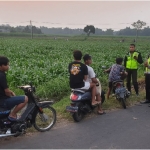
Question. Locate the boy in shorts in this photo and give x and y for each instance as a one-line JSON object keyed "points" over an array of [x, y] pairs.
{"points": [[8, 99], [116, 72], [92, 79]]}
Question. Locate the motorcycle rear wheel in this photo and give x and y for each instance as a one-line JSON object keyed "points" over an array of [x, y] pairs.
{"points": [[46, 120], [123, 102], [78, 116]]}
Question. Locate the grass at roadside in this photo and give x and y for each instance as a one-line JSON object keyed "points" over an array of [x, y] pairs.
{"points": [[109, 104]]}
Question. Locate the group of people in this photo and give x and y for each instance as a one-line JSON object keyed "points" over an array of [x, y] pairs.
{"points": [[82, 76]]}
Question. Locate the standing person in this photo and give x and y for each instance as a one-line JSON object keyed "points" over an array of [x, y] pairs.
{"points": [[8, 99], [92, 79], [116, 72], [78, 75], [131, 61], [147, 80]]}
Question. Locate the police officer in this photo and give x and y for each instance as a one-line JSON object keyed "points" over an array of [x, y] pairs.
{"points": [[131, 61], [147, 80]]}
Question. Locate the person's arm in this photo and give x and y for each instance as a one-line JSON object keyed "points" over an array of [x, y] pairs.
{"points": [[125, 61], [85, 72], [139, 58], [85, 77], [9, 92], [107, 70], [5, 87], [94, 80]]}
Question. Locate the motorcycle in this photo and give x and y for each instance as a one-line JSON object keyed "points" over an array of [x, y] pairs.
{"points": [[121, 93], [119, 90], [81, 103], [38, 114]]}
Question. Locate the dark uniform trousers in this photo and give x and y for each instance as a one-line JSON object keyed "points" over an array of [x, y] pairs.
{"points": [[132, 73], [147, 86]]}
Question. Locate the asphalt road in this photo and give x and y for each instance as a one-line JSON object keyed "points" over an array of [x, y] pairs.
{"points": [[119, 129]]}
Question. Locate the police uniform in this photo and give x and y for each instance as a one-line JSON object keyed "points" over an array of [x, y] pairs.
{"points": [[131, 65], [147, 80]]}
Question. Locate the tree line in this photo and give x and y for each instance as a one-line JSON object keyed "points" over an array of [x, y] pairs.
{"points": [[68, 31]]}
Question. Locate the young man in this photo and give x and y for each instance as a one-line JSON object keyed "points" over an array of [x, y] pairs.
{"points": [[8, 99], [78, 75], [116, 72], [147, 80], [92, 79], [131, 61]]}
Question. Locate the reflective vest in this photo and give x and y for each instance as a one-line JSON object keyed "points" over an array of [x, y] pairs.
{"points": [[148, 69], [131, 62]]}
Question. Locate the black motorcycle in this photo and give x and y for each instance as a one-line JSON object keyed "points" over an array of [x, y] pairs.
{"points": [[81, 103], [39, 114]]}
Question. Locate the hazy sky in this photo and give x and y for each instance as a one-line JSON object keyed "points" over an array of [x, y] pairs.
{"points": [[75, 14]]}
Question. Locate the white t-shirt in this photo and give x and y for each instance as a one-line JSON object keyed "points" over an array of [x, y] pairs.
{"points": [[91, 74]]}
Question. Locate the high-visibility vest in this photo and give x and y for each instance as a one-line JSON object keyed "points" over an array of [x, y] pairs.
{"points": [[131, 62], [147, 69]]}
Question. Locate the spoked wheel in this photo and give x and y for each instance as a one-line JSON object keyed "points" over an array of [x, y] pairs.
{"points": [[78, 116], [46, 120], [123, 102]]}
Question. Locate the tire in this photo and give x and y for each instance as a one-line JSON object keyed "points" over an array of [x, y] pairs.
{"points": [[123, 102], [48, 117], [78, 116]]}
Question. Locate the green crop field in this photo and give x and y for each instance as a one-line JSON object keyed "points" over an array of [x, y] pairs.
{"points": [[44, 61]]}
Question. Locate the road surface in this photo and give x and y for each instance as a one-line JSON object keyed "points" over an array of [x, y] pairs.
{"points": [[119, 129]]}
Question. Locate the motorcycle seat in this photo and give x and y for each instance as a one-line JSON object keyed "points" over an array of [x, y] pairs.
{"points": [[117, 81], [78, 90]]}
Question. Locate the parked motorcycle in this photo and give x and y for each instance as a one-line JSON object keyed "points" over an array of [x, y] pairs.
{"points": [[39, 114], [81, 103]]}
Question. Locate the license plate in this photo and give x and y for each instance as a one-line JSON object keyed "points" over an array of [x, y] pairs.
{"points": [[71, 109]]}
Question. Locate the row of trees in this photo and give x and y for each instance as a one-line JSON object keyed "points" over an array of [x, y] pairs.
{"points": [[23, 29], [88, 30]]}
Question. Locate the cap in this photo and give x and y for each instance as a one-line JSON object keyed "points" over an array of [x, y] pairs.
{"points": [[86, 57]]}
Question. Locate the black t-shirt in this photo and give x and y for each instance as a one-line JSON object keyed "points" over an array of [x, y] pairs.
{"points": [[77, 72], [3, 86]]}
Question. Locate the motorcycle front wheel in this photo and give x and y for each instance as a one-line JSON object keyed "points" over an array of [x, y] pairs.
{"points": [[45, 121], [123, 102]]}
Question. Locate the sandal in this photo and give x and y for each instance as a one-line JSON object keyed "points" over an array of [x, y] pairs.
{"points": [[99, 113], [12, 119], [95, 104], [99, 102]]}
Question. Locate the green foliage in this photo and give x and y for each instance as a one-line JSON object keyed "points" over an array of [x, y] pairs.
{"points": [[45, 61]]}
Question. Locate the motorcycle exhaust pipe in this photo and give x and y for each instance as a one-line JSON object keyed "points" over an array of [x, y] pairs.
{"points": [[6, 135]]}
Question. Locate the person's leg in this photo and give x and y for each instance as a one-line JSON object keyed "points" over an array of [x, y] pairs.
{"points": [[148, 87], [18, 102], [13, 114], [129, 80], [134, 80], [109, 89], [93, 90], [98, 98]]}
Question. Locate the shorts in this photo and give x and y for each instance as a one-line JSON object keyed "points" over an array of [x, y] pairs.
{"points": [[86, 86], [13, 101]]}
